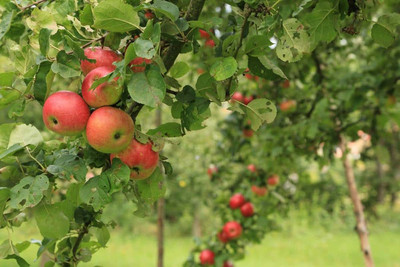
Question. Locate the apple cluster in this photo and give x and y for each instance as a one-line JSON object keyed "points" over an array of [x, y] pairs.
{"points": [[271, 181], [205, 35], [108, 129]]}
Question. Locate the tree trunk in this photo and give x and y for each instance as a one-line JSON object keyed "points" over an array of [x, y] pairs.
{"points": [[394, 162], [361, 226], [160, 213], [196, 224], [381, 186]]}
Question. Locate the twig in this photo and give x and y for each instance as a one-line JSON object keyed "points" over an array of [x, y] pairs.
{"points": [[84, 230], [172, 92], [33, 4], [32, 157], [90, 42]]}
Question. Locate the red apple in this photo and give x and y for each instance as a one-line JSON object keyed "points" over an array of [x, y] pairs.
{"points": [[232, 229], [212, 170], [200, 71], [248, 133], [148, 14], [237, 96], [109, 130], [107, 93], [247, 209], [222, 237], [259, 191], [247, 100], [204, 34], [207, 257], [286, 84], [139, 64], [140, 158], [273, 180], [288, 105], [104, 58], [210, 43], [227, 264], [236, 201], [252, 167], [66, 113]]}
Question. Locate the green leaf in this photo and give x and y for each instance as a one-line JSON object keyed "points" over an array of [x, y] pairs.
{"points": [[187, 95], [78, 51], [384, 31], [4, 196], [39, 19], [28, 192], [67, 66], [268, 64], [25, 135], [258, 111], [102, 234], [144, 48], [41, 87], [322, 21], [5, 23], [44, 41], [257, 68], [11, 150], [223, 68], [20, 261], [17, 109], [5, 132], [148, 87], [7, 96], [7, 248], [294, 41], [68, 164], [257, 44], [51, 221], [86, 16], [167, 8], [179, 69], [170, 129], [6, 79], [152, 188], [97, 191], [115, 16]]}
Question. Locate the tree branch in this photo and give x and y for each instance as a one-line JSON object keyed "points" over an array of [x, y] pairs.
{"points": [[247, 13], [192, 13], [84, 230]]}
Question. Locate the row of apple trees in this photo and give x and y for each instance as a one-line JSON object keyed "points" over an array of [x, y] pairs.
{"points": [[48, 44], [345, 90]]}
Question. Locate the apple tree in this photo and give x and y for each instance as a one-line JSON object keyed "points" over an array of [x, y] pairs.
{"points": [[126, 59]]}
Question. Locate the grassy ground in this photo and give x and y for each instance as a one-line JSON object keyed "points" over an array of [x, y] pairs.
{"points": [[300, 244]]}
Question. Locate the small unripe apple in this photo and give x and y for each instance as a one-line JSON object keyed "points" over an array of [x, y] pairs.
{"points": [[236, 201], [148, 15], [109, 130], [248, 133], [204, 34], [252, 168], [222, 237], [232, 229], [227, 264], [273, 180], [259, 191], [207, 257], [140, 158], [247, 209], [105, 94], [237, 96], [66, 113], [288, 105], [104, 58], [139, 64], [210, 43]]}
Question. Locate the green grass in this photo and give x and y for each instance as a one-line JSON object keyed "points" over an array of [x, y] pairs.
{"points": [[298, 244]]}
